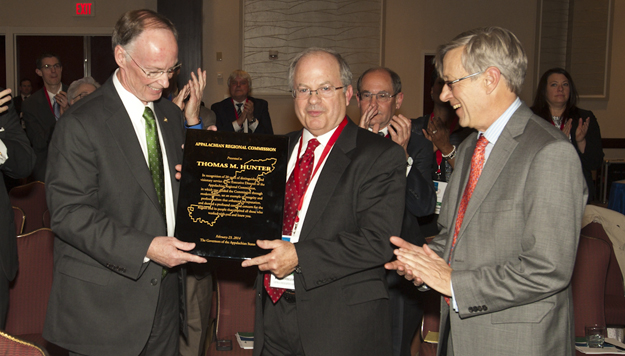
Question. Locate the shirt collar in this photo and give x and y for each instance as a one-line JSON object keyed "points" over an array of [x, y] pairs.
{"points": [[133, 105], [494, 131], [323, 139]]}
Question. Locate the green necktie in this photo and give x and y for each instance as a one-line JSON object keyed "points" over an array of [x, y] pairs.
{"points": [[155, 159], [155, 156]]}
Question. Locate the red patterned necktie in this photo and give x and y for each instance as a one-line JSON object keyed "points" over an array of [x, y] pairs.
{"points": [[295, 187], [477, 163]]}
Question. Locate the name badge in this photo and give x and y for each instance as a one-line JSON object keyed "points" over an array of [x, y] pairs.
{"points": [[440, 192]]}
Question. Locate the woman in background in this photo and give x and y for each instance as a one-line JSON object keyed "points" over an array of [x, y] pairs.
{"points": [[556, 102]]}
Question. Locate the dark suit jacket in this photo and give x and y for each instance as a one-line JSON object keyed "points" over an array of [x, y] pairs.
{"points": [[592, 158], [19, 165], [17, 101], [226, 113], [357, 204], [515, 251], [40, 123], [105, 213]]}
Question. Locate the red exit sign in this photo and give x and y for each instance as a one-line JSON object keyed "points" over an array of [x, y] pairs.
{"points": [[85, 9]]}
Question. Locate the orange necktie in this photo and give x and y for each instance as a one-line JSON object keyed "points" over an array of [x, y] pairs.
{"points": [[477, 163]]}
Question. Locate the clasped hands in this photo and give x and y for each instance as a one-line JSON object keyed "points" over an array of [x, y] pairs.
{"points": [[420, 265], [399, 128], [247, 113]]}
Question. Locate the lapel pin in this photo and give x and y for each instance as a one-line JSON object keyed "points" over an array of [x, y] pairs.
{"points": [[165, 119]]}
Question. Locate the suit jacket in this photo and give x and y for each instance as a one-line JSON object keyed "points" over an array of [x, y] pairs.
{"points": [[40, 123], [357, 204], [226, 113], [105, 213], [17, 101], [516, 249], [592, 158], [19, 165]]}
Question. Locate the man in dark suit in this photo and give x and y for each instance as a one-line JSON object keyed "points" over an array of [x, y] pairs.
{"points": [[16, 160], [379, 95], [511, 214], [26, 87], [336, 302], [241, 112], [112, 193], [43, 109]]}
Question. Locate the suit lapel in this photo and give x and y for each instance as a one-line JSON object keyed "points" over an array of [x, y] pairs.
{"points": [[336, 163], [170, 144], [123, 133], [497, 160]]}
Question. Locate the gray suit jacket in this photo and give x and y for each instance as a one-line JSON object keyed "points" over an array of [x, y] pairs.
{"points": [[515, 251], [357, 204], [105, 213]]}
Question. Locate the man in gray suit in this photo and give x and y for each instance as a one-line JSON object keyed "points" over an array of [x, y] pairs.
{"points": [[505, 254], [112, 193]]}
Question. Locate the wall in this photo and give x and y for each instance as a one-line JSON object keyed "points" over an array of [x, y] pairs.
{"points": [[56, 17], [413, 28]]}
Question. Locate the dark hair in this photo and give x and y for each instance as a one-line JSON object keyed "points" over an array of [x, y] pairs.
{"points": [[541, 107], [134, 22], [25, 80], [47, 55], [394, 78]]}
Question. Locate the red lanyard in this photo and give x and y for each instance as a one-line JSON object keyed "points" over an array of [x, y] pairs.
{"points": [[236, 112], [49, 101], [324, 154]]}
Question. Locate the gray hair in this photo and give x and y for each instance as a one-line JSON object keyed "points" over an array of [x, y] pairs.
{"points": [[239, 73], [71, 91], [345, 72], [489, 47], [132, 24]]}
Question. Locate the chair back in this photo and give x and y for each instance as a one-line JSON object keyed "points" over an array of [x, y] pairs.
{"points": [[19, 218], [588, 283], [31, 198], [236, 304], [30, 290], [13, 346], [46, 219]]}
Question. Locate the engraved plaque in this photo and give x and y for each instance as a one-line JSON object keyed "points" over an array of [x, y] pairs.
{"points": [[231, 192]]}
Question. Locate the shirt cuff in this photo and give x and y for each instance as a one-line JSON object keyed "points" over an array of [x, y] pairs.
{"points": [[252, 127], [236, 126], [453, 297], [197, 126], [4, 154]]}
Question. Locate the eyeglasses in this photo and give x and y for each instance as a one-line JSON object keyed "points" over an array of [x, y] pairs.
{"points": [[450, 84], [80, 96], [157, 73], [381, 97], [326, 91], [50, 66]]}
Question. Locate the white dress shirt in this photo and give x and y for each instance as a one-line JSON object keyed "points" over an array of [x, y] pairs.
{"points": [[135, 109]]}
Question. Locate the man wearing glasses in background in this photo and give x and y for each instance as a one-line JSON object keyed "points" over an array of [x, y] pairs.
{"points": [[345, 194], [379, 95], [111, 191], [43, 109]]}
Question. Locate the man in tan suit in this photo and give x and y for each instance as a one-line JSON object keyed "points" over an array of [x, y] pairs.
{"points": [[507, 248]]}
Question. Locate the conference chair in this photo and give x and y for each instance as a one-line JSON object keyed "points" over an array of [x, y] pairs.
{"points": [[19, 218], [13, 346], [31, 198]]}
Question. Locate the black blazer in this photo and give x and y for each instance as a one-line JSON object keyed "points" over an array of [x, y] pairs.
{"points": [[40, 123], [226, 113], [592, 158], [105, 213], [357, 204], [19, 165]]}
